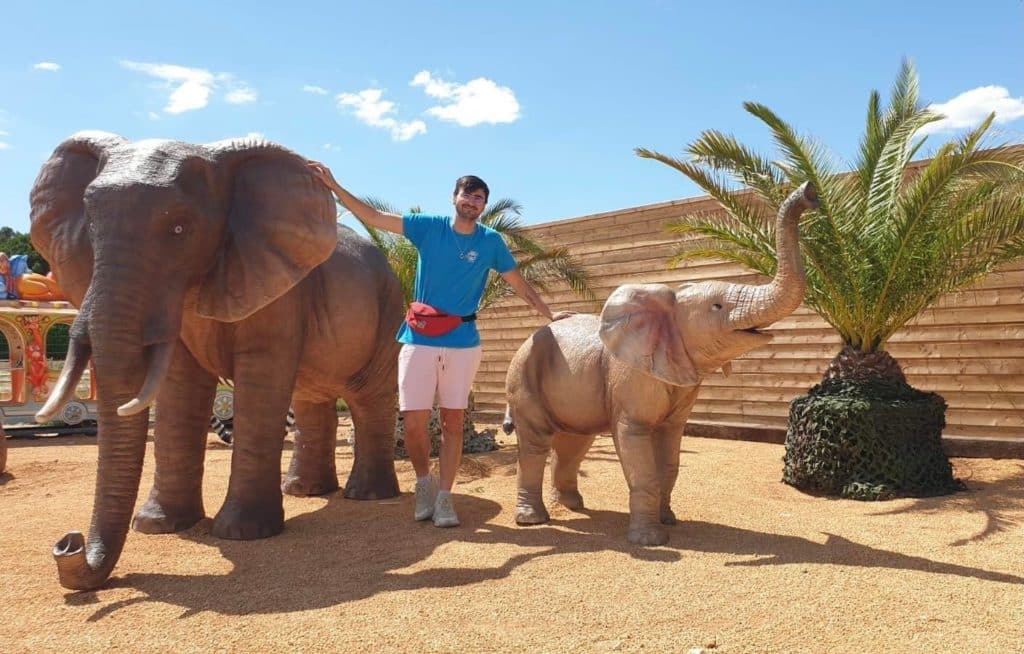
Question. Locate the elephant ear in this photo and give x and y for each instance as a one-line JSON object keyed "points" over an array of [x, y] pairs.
{"points": [[60, 228], [281, 224], [638, 326]]}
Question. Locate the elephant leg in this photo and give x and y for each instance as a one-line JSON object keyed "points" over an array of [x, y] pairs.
{"points": [[373, 466], [569, 452], [636, 449], [668, 442], [312, 470], [253, 507], [534, 445], [182, 421]]}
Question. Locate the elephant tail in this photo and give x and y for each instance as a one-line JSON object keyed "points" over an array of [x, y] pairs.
{"points": [[507, 425]]}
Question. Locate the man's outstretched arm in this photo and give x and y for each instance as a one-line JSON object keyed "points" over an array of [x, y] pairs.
{"points": [[364, 212], [524, 290]]}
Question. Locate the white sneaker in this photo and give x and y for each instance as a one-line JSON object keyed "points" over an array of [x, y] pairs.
{"points": [[444, 512], [426, 494]]}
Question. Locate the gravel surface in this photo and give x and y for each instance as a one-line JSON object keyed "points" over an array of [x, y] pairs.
{"points": [[752, 566]]}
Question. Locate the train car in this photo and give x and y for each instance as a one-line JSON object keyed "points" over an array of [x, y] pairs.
{"points": [[34, 337]]}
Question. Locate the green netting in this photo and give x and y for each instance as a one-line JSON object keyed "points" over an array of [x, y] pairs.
{"points": [[868, 440]]}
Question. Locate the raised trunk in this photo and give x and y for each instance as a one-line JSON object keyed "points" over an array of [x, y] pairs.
{"points": [[762, 305]]}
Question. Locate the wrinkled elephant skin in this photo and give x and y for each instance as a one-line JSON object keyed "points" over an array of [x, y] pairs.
{"points": [[635, 371], [193, 262]]}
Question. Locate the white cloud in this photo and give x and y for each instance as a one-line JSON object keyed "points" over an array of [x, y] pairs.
{"points": [[4, 145], [475, 102], [47, 65], [968, 109], [331, 147], [369, 106], [191, 88], [241, 95], [316, 90], [153, 115]]}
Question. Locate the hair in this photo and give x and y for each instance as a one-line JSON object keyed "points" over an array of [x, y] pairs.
{"points": [[470, 183]]}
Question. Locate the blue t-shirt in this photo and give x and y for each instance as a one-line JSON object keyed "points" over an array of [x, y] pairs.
{"points": [[451, 273]]}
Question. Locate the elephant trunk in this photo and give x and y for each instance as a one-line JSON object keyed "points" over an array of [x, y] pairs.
{"points": [[86, 563], [762, 305], [129, 368]]}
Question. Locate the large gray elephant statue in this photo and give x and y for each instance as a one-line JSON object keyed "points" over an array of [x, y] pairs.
{"points": [[193, 262], [635, 371]]}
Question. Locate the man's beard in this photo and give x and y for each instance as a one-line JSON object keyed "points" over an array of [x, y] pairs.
{"points": [[459, 213]]}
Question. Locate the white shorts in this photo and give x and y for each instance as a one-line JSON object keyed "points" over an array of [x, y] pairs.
{"points": [[426, 371]]}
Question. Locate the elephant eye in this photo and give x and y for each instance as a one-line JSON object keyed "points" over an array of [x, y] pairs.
{"points": [[716, 307]]}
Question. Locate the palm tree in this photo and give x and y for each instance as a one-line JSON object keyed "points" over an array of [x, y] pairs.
{"points": [[540, 265], [890, 238]]}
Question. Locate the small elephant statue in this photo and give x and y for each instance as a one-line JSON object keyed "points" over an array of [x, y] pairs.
{"points": [[635, 371], [191, 263]]}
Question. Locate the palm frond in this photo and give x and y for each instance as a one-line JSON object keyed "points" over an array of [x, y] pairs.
{"points": [[903, 101], [501, 208], [890, 238], [723, 152], [752, 217], [557, 264], [713, 235]]}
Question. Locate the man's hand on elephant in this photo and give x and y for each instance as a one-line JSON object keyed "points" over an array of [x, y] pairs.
{"points": [[323, 173], [562, 314]]}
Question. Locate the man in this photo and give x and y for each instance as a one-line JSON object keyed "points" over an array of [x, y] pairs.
{"points": [[455, 257]]}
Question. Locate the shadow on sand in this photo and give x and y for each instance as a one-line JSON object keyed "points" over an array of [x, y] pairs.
{"points": [[368, 552]]}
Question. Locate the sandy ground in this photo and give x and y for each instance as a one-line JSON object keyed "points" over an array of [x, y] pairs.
{"points": [[753, 566]]}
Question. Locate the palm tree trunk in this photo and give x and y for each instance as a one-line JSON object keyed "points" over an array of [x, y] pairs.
{"points": [[852, 363]]}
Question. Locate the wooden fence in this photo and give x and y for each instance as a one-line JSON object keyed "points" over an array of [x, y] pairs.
{"points": [[969, 347]]}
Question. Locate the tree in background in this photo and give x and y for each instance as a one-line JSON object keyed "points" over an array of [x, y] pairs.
{"points": [[891, 237], [14, 242]]}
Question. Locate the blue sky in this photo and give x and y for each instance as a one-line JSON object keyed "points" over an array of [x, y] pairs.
{"points": [[544, 100]]}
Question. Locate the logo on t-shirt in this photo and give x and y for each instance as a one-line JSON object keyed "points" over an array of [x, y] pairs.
{"points": [[472, 255]]}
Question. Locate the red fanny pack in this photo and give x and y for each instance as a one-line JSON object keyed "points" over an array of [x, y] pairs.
{"points": [[425, 319]]}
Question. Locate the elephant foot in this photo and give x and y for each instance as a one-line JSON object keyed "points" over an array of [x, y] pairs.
{"points": [[571, 499], [237, 521], [668, 516], [376, 485], [652, 535], [299, 487], [156, 518], [531, 515]]}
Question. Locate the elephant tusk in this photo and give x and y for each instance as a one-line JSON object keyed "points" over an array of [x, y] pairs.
{"points": [[160, 362], [77, 360]]}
